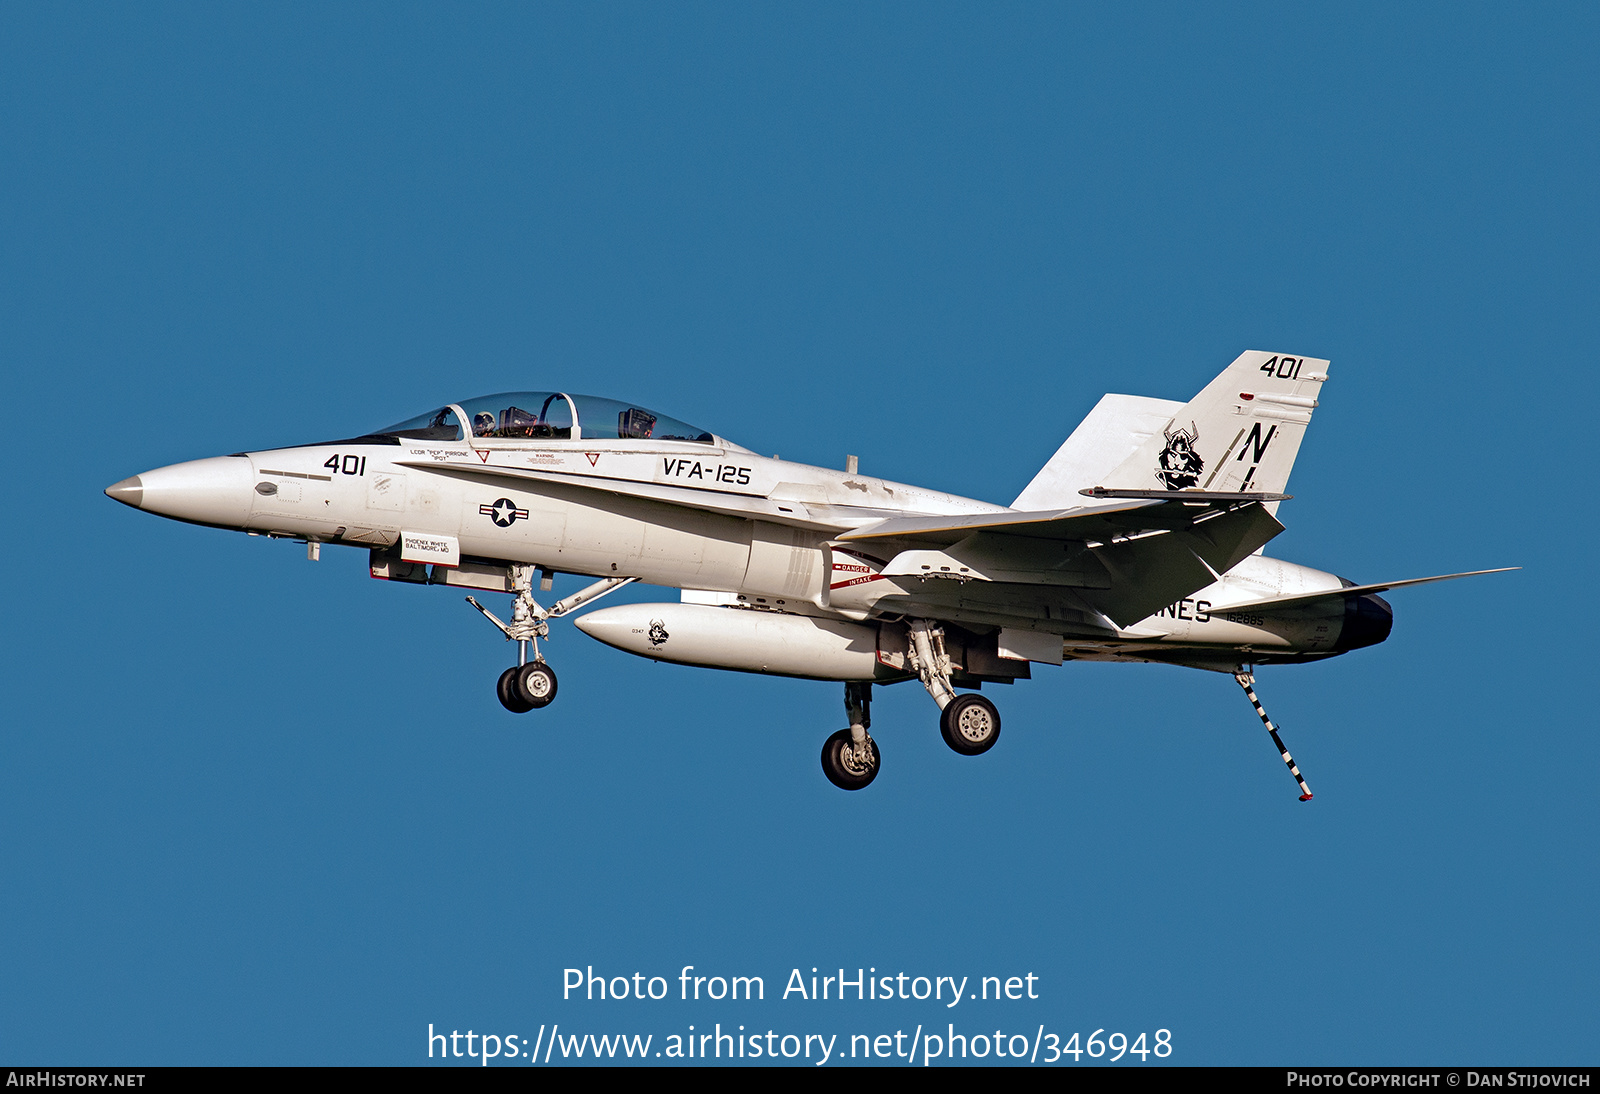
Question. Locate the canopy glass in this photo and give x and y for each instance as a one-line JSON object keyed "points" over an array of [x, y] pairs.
{"points": [[551, 415]]}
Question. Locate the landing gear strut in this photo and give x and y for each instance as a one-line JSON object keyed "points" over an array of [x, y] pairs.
{"points": [[970, 724], [529, 685], [1246, 679], [850, 757]]}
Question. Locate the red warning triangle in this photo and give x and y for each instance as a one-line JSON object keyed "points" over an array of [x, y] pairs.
{"points": [[594, 458], [483, 455]]}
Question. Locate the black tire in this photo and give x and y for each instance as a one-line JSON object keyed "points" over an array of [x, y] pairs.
{"points": [[839, 764], [506, 689], [536, 684], [970, 724]]}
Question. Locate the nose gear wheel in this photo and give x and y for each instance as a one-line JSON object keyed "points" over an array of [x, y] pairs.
{"points": [[505, 689], [535, 684]]}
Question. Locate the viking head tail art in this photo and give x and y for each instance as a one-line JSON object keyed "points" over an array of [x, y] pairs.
{"points": [[1180, 463]]}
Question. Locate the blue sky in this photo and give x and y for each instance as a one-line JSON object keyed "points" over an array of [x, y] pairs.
{"points": [[258, 810]]}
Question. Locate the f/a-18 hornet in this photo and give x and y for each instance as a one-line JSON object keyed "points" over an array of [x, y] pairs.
{"points": [[1139, 540]]}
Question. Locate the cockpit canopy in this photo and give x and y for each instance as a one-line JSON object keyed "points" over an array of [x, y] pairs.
{"points": [[551, 415]]}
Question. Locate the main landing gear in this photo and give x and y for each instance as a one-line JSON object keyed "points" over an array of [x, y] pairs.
{"points": [[850, 757], [529, 685], [969, 723]]}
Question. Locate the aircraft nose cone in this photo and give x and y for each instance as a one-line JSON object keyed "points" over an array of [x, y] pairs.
{"points": [[215, 491], [128, 491]]}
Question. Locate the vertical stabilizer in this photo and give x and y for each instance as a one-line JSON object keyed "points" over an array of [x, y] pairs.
{"points": [[1241, 434], [1112, 432]]}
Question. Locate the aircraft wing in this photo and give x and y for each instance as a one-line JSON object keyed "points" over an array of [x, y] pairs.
{"points": [[1328, 594], [1125, 559], [793, 514]]}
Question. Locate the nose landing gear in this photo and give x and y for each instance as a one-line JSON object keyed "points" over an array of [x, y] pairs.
{"points": [[529, 685]]}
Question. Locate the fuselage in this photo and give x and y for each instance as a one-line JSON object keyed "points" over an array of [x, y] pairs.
{"points": [[711, 516]]}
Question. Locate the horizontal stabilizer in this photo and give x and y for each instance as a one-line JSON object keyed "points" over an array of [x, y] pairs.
{"points": [[1125, 559], [1331, 594], [1151, 571]]}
